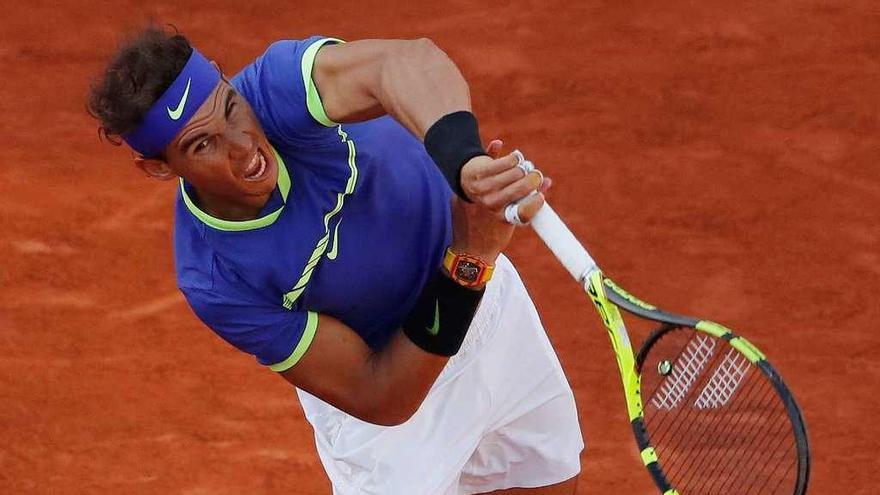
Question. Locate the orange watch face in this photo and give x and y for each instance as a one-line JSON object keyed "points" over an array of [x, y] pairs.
{"points": [[467, 271]]}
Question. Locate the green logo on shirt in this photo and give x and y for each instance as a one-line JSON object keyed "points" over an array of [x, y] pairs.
{"points": [[334, 251]]}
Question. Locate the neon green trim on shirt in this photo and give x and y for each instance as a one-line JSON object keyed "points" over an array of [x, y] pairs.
{"points": [[313, 98], [304, 343], [321, 247], [229, 225]]}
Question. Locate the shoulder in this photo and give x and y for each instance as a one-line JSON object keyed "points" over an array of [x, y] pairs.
{"points": [[279, 87], [284, 62]]}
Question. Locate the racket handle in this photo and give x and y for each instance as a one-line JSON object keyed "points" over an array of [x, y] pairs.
{"points": [[567, 249], [555, 234]]}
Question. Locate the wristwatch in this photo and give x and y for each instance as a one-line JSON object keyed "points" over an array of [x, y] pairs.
{"points": [[467, 270]]}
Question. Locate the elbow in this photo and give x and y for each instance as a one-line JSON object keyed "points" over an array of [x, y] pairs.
{"points": [[387, 420], [426, 45], [387, 413], [427, 50], [398, 415], [418, 52]]}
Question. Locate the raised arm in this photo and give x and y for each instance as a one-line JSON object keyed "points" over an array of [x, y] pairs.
{"points": [[412, 80], [417, 84]]}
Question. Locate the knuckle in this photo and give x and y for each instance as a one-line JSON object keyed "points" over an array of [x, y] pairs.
{"points": [[513, 175], [485, 201], [481, 187], [494, 201], [524, 187]]}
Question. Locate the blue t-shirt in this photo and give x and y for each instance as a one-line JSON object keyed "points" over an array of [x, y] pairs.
{"points": [[358, 222]]}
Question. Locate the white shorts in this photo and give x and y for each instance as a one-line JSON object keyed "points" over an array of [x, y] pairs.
{"points": [[500, 415]]}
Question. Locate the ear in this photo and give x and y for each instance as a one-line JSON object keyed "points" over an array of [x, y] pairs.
{"points": [[157, 169]]}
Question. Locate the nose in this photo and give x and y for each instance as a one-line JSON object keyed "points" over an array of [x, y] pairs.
{"points": [[240, 142]]}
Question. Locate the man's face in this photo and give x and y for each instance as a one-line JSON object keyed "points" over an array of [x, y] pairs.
{"points": [[223, 152]]}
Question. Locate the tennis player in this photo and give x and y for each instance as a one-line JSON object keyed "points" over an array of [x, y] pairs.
{"points": [[339, 219]]}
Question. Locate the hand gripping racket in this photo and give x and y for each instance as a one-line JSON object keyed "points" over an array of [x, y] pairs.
{"points": [[709, 413]]}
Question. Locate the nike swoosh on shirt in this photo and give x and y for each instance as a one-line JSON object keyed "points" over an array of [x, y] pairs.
{"points": [[334, 251], [435, 328], [177, 112]]}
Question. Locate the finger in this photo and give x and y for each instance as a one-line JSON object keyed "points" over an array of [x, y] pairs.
{"points": [[497, 166], [494, 148], [497, 182], [530, 206], [514, 192], [480, 167], [546, 185]]}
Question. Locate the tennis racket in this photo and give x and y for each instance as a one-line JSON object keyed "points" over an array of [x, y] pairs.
{"points": [[709, 413]]}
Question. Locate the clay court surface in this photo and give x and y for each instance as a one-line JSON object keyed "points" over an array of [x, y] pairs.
{"points": [[718, 160]]}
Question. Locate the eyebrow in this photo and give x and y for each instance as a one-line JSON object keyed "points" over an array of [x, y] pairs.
{"points": [[186, 143], [229, 95]]}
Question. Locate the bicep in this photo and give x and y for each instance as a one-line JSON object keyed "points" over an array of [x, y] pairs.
{"points": [[346, 76], [333, 366], [412, 80]]}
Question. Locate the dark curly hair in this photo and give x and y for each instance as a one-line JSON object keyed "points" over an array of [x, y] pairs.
{"points": [[142, 69]]}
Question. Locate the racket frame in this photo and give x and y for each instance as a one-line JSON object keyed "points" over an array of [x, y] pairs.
{"points": [[608, 298]]}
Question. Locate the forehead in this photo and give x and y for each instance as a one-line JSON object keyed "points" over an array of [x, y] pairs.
{"points": [[212, 103], [212, 108]]}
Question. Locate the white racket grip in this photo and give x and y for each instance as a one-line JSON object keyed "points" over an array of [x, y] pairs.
{"points": [[556, 235]]}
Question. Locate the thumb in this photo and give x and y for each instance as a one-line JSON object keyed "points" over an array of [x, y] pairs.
{"points": [[530, 206], [494, 148]]}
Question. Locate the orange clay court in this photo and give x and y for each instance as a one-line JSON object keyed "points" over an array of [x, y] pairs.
{"points": [[719, 158]]}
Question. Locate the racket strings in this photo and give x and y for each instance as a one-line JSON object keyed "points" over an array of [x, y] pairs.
{"points": [[705, 454], [703, 432], [719, 461], [684, 365], [716, 421], [744, 452], [722, 460], [754, 457], [778, 485], [780, 462], [729, 455], [713, 451], [665, 430]]}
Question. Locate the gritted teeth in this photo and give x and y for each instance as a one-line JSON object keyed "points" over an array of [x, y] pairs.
{"points": [[256, 168]]}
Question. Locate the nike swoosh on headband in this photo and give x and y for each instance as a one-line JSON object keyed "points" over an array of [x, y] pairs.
{"points": [[177, 112]]}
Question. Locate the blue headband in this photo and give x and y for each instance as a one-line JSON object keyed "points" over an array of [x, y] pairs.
{"points": [[175, 107]]}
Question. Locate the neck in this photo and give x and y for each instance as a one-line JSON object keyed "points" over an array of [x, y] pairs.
{"points": [[235, 211]]}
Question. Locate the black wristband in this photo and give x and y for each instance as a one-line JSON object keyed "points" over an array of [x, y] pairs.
{"points": [[451, 142], [442, 315]]}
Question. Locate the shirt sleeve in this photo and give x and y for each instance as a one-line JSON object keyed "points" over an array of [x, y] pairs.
{"points": [[277, 337], [280, 89]]}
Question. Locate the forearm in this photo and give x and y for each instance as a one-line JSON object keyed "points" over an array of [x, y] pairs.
{"points": [[420, 84]]}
